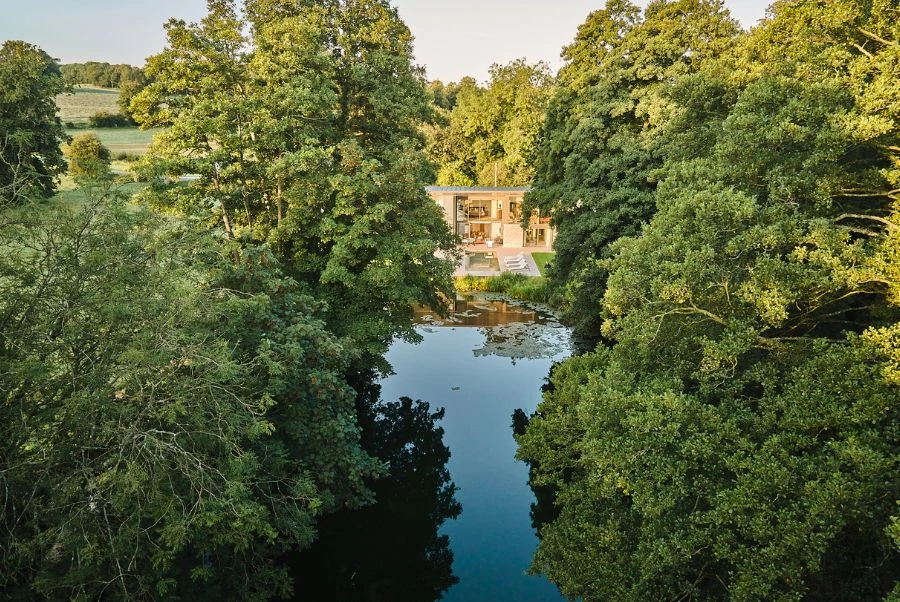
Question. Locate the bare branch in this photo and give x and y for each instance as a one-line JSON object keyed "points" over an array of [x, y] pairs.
{"points": [[888, 223], [876, 37], [863, 50]]}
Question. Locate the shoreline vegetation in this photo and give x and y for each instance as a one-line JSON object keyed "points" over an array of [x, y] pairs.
{"points": [[537, 289]]}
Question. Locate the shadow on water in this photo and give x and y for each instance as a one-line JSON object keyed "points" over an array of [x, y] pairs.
{"points": [[543, 509], [390, 550]]}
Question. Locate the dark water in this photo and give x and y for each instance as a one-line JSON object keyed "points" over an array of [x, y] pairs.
{"points": [[491, 359]]}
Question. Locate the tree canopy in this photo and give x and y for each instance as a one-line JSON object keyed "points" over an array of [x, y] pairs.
{"points": [[599, 146], [88, 157], [735, 438], [104, 75], [489, 133], [173, 420], [177, 408], [30, 132], [306, 134]]}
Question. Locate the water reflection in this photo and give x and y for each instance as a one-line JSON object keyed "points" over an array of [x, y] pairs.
{"points": [[511, 329], [483, 309], [487, 358], [543, 509], [391, 550]]}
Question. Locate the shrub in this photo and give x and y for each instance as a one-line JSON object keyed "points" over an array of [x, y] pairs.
{"points": [[87, 157], [125, 156], [517, 286], [105, 119]]}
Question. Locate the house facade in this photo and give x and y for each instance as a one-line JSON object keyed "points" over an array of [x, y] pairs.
{"points": [[492, 215]]}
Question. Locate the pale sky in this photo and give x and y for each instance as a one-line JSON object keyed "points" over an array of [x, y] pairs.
{"points": [[454, 38]]}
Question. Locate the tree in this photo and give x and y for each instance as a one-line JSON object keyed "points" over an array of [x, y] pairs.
{"points": [[737, 438], [443, 95], [172, 420], [103, 75], [599, 146], [87, 157], [311, 143], [491, 132], [30, 131], [128, 89]]}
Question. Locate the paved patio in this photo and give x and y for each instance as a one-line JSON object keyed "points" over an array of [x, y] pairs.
{"points": [[500, 253]]}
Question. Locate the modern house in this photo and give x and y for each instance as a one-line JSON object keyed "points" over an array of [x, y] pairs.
{"points": [[492, 215]]}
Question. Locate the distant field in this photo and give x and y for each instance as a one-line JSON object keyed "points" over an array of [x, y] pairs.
{"points": [[86, 101], [122, 140], [71, 196]]}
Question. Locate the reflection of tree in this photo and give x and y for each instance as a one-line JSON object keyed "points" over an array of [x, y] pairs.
{"points": [[543, 509], [524, 340], [390, 550]]}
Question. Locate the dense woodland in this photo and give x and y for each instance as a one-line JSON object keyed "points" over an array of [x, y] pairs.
{"points": [[182, 379], [485, 135], [728, 207], [103, 75], [187, 377]]}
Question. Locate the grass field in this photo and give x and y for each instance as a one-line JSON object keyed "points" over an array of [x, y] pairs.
{"points": [[133, 141], [71, 196], [86, 101], [541, 260]]}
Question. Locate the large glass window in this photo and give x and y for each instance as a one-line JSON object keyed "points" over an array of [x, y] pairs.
{"points": [[478, 209], [460, 202], [515, 210], [537, 237]]}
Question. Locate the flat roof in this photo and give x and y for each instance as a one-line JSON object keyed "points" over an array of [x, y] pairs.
{"points": [[478, 188]]}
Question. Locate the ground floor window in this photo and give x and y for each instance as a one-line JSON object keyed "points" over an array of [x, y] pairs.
{"points": [[537, 237], [482, 230]]}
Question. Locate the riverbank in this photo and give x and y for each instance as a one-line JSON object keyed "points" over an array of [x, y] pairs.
{"points": [[516, 286]]}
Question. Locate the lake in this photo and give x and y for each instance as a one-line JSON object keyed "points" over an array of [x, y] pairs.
{"points": [[489, 359]]}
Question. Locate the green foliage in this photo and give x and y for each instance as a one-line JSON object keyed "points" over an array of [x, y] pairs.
{"points": [[517, 286], [489, 135], [172, 419], [104, 119], [87, 157], [600, 143], [738, 437], [30, 132], [104, 75], [128, 89], [443, 96], [310, 143]]}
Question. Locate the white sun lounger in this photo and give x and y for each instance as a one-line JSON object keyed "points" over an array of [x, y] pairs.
{"points": [[516, 264]]}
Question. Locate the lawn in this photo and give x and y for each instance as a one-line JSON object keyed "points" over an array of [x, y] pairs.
{"points": [[541, 260], [86, 101], [133, 141]]}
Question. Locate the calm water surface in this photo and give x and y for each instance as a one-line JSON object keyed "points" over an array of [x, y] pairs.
{"points": [[492, 359]]}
